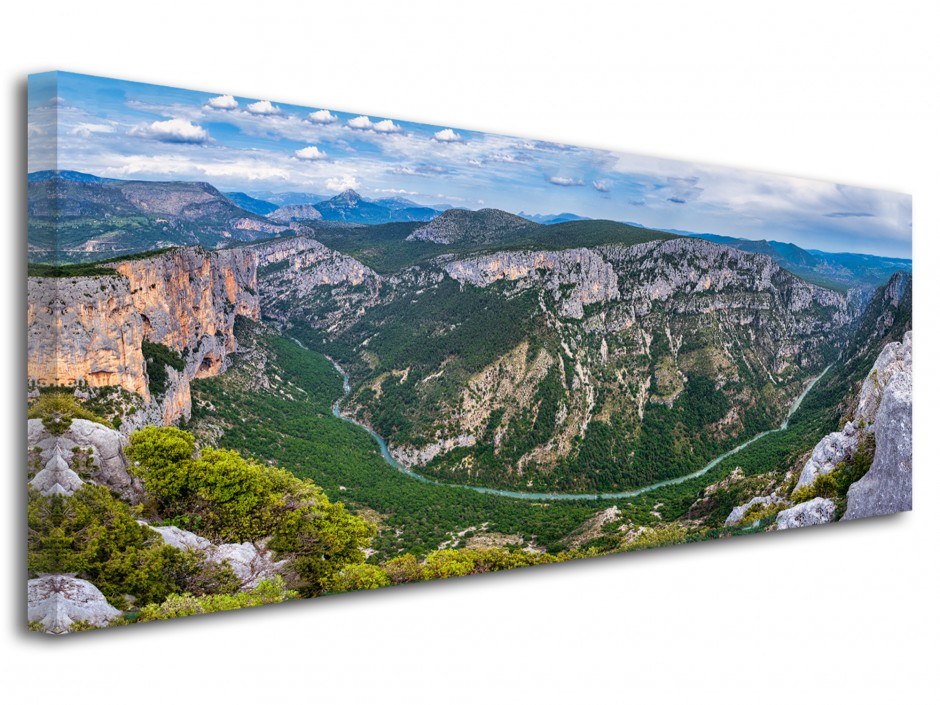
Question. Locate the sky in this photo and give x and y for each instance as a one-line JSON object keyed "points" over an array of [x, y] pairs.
{"points": [[125, 130]]}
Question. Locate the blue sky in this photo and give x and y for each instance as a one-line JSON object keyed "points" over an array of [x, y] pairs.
{"points": [[128, 130]]}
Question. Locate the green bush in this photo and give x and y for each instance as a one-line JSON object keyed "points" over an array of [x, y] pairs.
{"points": [[158, 358], [359, 576], [57, 409], [96, 537], [231, 499], [185, 605]]}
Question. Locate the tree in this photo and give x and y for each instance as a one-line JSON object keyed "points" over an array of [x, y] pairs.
{"points": [[227, 498], [359, 576], [97, 537]]}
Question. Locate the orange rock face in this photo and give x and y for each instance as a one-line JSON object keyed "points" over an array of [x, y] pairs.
{"points": [[84, 329], [91, 328]]}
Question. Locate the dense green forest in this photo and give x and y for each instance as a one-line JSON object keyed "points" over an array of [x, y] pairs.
{"points": [[292, 426]]}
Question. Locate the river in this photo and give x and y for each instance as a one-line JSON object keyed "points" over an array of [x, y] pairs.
{"points": [[541, 496]]}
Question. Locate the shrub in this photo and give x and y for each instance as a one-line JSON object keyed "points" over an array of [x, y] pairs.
{"points": [[57, 409], [267, 592], [96, 537], [159, 357], [359, 576], [232, 499]]}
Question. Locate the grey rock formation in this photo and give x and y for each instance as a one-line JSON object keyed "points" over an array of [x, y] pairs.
{"points": [[290, 213], [180, 538], [58, 601], [57, 454], [251, 562], [816, 511], [737, 514], [887, 486], [835, 448], [56, 477], [575, 277], [300, 274], [895, 357]]}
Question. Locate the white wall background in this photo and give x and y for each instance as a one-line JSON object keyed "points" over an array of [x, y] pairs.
{"points": [[842, 92]]}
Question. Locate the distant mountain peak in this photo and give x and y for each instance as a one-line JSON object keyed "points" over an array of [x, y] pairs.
{"points": [[456, 225], [348, 196]]}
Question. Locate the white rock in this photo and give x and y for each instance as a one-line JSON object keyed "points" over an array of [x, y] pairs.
{"points": [[829, 452], [816, 511], [182, 539], [887, 486], [57, 601], [737, 514]]}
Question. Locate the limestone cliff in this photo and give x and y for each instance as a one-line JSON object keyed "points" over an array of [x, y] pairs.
{"points": [[84, 329], [300, 275], [887, 486], [90, 330]]}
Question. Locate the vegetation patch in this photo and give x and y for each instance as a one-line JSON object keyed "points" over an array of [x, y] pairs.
{"points": [[158, 358]]}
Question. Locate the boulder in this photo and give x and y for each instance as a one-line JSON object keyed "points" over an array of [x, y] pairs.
{"points": [[58, 601], [56, 477], [835, 448], [737, 514], [816, 511], [251, 562], [181, 539], [57, 455]]}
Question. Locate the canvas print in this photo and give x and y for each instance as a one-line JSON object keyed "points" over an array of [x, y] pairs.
{"points": [[280, 352]]}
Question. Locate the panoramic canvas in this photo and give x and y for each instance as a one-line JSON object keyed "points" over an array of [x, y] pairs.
{"points": [[279, 352]]}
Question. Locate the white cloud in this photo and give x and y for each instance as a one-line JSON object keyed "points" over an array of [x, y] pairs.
{"points": [[386, 126], [364, 123], [602, 185], [178, 166], [175, 130], [565, 181], [263, 107], [361, 123], [311, 153], [447, 135], [87, 129], [222, 102], [341, 183], [322, 117]]}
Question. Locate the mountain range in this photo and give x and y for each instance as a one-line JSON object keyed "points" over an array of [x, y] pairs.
{"points": [[82, 217]]}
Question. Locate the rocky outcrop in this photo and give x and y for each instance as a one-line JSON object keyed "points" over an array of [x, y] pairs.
{"points": [[90, 330], [251, 562], [97, 450], [574, 277], [57, 602], [832, 450], [739, 512], [189, 294], [288, 214], [300, 276], [816, 511], [887, 486], [411, 457], [84, 328]]}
